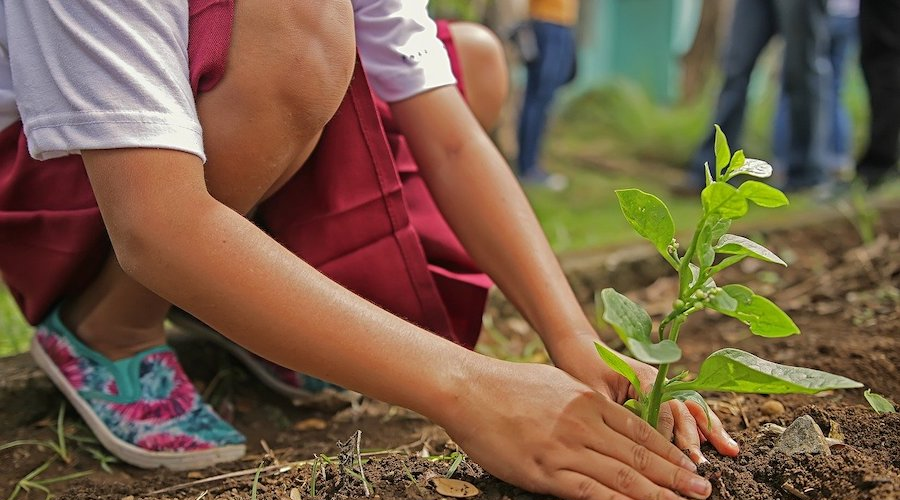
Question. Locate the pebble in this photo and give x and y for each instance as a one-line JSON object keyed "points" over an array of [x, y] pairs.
{"points": [[772, 408], [802, 436]]}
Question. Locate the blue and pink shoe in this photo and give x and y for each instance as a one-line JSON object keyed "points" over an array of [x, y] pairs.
{"points": [[143, 409], [298, 387]]}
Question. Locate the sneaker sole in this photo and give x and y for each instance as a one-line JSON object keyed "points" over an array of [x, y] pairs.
{"points": [[127, 452], [193, 328]]}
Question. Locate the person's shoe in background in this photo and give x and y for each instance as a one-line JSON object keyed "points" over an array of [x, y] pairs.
{"points": [[539, 178]]}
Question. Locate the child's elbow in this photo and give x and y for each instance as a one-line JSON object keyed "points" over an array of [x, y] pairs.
{"points": [[137, 246], [146, 239]]}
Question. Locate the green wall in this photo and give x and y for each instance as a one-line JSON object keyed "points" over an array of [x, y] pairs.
{"points": [[638, 40]]}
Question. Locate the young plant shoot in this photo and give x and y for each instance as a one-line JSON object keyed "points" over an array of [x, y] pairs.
{"points": [[711, 250]]}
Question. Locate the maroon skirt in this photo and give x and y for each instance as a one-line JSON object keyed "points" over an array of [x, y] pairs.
{"points": [[358, 210]]}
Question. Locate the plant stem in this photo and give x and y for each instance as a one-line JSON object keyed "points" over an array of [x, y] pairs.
{"points": [[684, 270], [676, 325], [656, 396], [656, 392]]}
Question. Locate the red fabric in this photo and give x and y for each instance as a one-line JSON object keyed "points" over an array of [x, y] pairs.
{"points": [[209, 38], [346, 212]]}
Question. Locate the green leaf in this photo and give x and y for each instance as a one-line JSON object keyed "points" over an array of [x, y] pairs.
{"points": [[759, 313], [634, 406], [723, 302], [737, 160], [695, 273], [711, 231], [633, 326], [739, 292], [738, 371], [648, 215], [878, 402], [753, 168], [706, 255], [719, 228], [628, 319], [619, 366], [763, 195], [723, 154], [738, 245], [685, 396], [665, 351], [709, 176], [724, 200]]}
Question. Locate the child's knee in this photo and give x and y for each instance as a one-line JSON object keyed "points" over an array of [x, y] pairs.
{"points": [[484, 68], [297, 56]]}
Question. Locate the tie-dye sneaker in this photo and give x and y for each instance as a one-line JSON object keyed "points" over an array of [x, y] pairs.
{"points": [[296, 386], [143, 409]]}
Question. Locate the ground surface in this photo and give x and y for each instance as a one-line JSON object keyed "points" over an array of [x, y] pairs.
{"points": [[845, 298]]}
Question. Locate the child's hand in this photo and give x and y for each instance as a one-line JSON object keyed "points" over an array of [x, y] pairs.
{"points": [[687, 422], [537, 427]]}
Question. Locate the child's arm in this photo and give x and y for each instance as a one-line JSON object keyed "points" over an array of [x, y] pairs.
{"points": [[532, 425], [482, 201]]}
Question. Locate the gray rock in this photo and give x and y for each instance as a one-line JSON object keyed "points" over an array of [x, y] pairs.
{"points": [[802, 436]]}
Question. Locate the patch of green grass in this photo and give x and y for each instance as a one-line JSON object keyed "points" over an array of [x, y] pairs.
{"points": [[587, 215], [15, 333]]}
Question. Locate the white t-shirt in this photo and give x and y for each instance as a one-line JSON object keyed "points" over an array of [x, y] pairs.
{"points": [[87, 74]]}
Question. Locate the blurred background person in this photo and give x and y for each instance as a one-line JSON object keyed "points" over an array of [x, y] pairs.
{"points": [[550, 66], [879, 25], [843, 40], [804, 26]]}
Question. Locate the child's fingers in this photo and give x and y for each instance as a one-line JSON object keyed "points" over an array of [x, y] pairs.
{"points": [[666, 424], [656, 468], [714, 431], [625, 423], [687, 436], [605, 478]]}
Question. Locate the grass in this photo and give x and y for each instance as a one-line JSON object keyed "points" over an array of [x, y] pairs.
{"points": [[35, 479], [15, 333], [587, 214]]}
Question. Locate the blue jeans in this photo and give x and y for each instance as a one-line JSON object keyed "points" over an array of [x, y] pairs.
{"points": [[803, 24], [844, 38], [551, 69]]}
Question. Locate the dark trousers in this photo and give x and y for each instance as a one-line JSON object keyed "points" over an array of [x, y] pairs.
{"points": [[550, 70], [804, 26], [879, 29]]}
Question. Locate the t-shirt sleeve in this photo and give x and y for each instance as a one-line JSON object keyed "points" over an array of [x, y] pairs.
{"points": [[399, 48], [94, 74]]}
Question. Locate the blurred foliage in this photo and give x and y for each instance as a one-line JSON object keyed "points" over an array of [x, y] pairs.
{"points": [[15, 333], [460, 10], [622, 120]]}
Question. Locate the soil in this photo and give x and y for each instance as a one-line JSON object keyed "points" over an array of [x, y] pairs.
{"points": [[845, 297]]}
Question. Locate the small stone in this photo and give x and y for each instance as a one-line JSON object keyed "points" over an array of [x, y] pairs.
{"points": [[802, 436], [772, 408], [295, 494]]}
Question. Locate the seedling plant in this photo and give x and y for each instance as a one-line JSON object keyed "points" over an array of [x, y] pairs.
{"points": [[711, 250]]}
